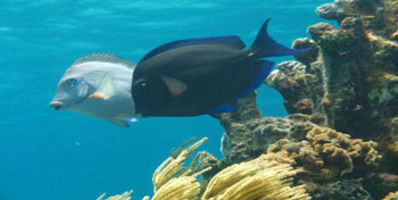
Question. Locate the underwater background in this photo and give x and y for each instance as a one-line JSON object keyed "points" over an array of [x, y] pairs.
{"points": [[45, 154]]}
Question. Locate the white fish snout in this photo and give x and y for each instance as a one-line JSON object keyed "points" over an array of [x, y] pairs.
{"points": [[57, 105]]}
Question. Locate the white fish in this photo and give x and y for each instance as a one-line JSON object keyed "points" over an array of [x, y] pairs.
{"points": [[99, 86]]}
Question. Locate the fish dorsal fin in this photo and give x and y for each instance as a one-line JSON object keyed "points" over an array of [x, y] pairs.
{"points": [[105, 88], [104, 58], [175, 86], [230, 41]]}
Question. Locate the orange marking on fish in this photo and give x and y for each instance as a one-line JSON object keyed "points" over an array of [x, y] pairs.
{"points": [[304, 107]]}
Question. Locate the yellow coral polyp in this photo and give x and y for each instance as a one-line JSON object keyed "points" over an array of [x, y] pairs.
{"points": [[258, 179], [173, 167], [124, 196], [181, 188], [392, 148], [254, 180], [391, 196]]}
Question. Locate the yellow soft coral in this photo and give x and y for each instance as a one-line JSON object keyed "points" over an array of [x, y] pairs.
{"points": [[254, 180], [258, 179], [391, 196], [173, 182], [124, 196], [173, 167]]}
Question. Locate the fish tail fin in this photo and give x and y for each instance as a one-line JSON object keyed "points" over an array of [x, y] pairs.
{"points": [[265, 46]]}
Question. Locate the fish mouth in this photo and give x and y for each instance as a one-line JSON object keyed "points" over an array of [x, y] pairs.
{"points": [[57, 105]]}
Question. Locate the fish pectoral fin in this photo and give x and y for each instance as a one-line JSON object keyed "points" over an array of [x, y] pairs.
{"points": [[119, 122], [224, 108], [105, 88], [175, 86]]}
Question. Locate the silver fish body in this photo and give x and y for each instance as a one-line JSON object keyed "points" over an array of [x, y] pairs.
{"points": [[98, 86]]}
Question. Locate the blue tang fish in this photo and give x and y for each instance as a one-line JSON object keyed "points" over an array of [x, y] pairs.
{"points": [[200, 76]]}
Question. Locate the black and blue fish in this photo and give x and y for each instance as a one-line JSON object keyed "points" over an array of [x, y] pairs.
{"points": [[200, 76]]}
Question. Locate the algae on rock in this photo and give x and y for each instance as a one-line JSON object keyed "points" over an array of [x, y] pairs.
{"points": [[326, 154], [353, 76]]}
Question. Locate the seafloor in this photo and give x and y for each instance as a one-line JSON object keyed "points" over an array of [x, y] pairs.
{"points": [[340, 139]]}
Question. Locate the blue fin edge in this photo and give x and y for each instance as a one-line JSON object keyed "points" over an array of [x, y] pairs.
{"points": [[224, 108]]}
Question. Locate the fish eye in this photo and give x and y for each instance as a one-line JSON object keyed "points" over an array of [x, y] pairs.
{"points": [[142, 83], [72, 82]]}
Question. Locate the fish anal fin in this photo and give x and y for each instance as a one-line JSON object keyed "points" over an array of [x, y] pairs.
{"points": [[224, 108], [175, 86], [230, 41]]}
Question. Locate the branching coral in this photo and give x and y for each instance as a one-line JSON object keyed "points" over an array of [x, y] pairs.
{"points": [[391, 196], [179, 188], [173, 182], [124, 196], [254, 180], [173, 167]]}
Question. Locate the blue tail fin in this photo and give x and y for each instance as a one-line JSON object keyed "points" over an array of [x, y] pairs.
{"points": [[265, 46]]}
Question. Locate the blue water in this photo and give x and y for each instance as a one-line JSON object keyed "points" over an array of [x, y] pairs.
{"points": [[45, 154]]}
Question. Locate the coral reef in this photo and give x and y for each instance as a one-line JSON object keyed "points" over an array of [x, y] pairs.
{"points": [[252, 180], [345, 189], [174, 182], [391, 196], [326, 154], [256, 179], [322, 153], [351, 75], [379, 185], [301, 90], [124, 196]]}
